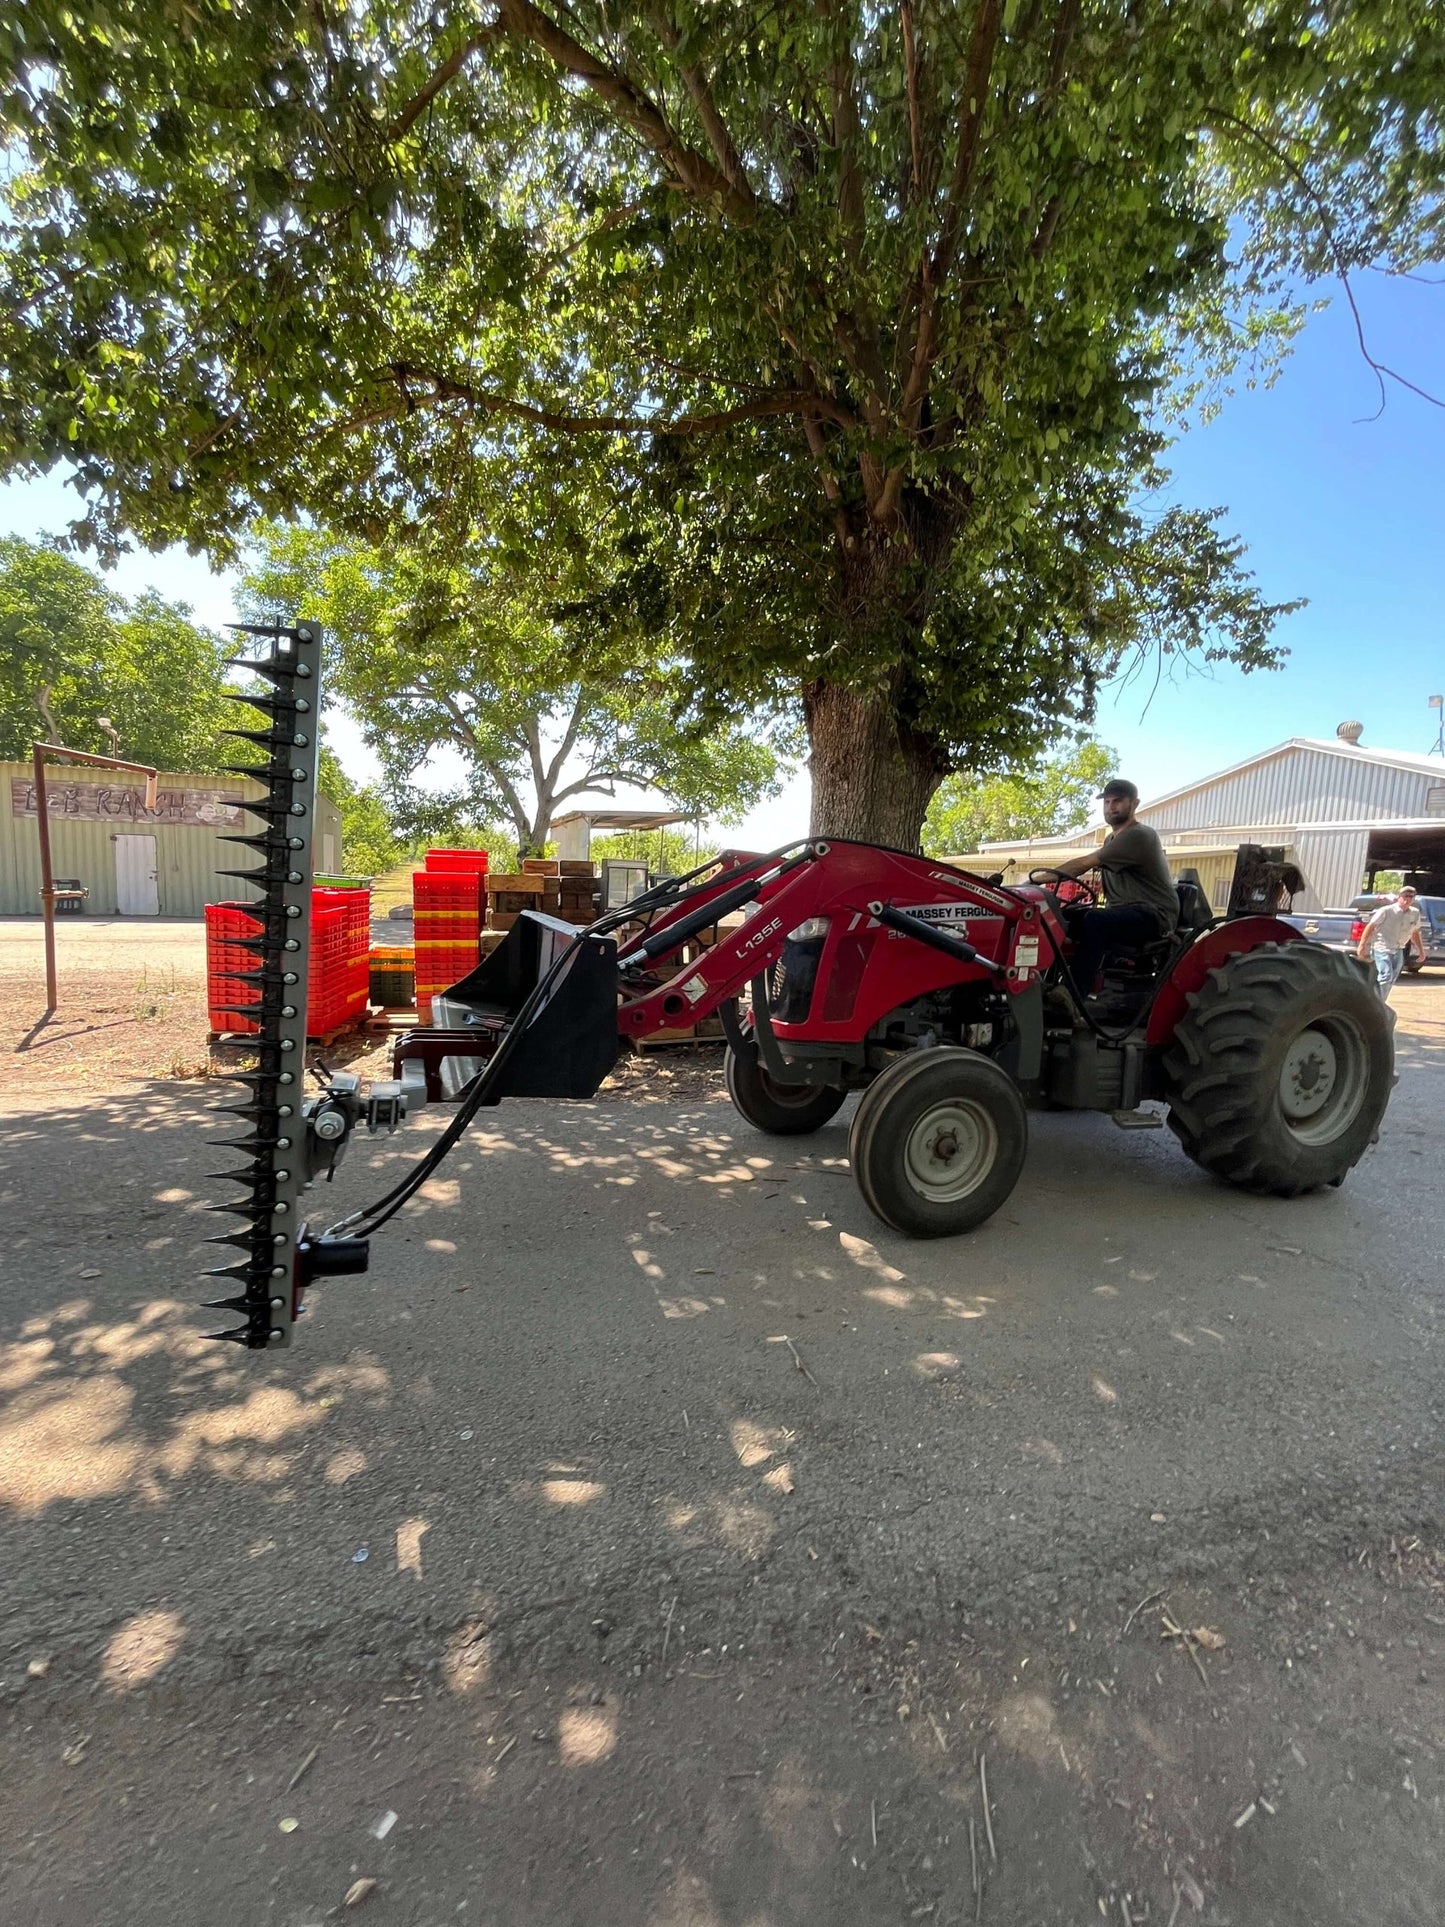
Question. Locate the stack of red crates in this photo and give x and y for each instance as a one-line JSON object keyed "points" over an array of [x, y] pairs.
{"points": [[447, 905], [337, 985], [344, 987]]}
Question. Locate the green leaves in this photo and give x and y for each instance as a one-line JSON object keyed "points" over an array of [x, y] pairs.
{"points": [[788, 340], [464, 673], [1040, 800], [70, 646]]}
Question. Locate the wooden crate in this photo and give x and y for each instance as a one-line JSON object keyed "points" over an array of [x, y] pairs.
{"points": [[709, 1031], [572, 866], [541, 866]]}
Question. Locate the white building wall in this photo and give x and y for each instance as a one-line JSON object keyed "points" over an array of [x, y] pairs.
{"points": [[1299, 785]]}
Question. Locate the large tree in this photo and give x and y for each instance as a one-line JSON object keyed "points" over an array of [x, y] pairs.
{"points": [[72, 651], [434, 652], [865, 313]]}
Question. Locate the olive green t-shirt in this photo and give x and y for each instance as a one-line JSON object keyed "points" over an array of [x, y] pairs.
{"points": [[1136, 872]]}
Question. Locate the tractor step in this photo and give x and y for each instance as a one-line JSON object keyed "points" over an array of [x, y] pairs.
{"points": [[1138, 1120]]}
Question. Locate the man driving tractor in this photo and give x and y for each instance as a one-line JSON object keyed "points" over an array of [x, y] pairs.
{"points": [[1141, 899]]}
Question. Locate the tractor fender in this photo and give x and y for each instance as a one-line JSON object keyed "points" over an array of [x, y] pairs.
{"points": [[1204, 955]]}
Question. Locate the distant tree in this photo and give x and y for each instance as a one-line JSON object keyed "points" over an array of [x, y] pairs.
{"points": [[1043, 799], [435, 651], [370, 843], [672, 852], [71, 651]]}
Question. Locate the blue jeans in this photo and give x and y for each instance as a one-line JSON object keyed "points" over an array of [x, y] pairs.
{"points": [[1389, 962], [1096, 932]]}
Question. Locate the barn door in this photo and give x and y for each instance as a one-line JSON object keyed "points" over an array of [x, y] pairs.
{"points": [[136, 894]]}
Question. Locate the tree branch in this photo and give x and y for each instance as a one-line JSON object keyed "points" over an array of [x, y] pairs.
{"points": [[532, 731], [441, 77], [569, 739], [1378, 368], [970, 133], [713, 124], [847, 131], [692, 171], [444, 388], [915, 105]]}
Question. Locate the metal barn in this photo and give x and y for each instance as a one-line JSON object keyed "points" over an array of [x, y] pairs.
{"points": [[132, 863], [1341, 812]]}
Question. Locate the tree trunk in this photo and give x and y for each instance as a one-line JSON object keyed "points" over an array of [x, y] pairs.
{"points": [[872, 779]]}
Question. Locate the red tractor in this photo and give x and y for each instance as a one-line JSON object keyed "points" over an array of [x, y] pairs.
{"points": [[944, 998]]}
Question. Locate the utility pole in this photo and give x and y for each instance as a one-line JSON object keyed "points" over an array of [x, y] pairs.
{"points": [[1437, 748]]}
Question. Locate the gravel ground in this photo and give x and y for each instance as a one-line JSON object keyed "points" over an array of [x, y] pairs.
{"points": [[663, 1542]]}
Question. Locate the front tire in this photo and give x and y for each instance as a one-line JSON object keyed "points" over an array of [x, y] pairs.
{"points": [[938, 1141], [782, 1110], [1280, 1069]]}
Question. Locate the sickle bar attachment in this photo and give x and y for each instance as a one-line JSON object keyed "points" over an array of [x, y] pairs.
{"points": [[287, 666]]}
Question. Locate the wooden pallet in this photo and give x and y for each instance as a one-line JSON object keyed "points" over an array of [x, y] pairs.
{"points": [[709, 1031]]}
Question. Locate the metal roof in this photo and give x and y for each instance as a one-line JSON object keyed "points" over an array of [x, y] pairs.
{"points": [[1417, 763], [623, 819]]}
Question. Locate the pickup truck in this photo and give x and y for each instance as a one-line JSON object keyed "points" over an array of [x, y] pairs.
{"points": [[1341, 929]]}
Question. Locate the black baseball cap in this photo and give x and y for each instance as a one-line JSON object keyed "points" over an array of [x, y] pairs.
{"points": [[1119, 786]]}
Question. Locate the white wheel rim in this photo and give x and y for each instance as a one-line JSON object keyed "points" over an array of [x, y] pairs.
{"points": [[1307, 1076], [1323, 1080], [950, 1151]]}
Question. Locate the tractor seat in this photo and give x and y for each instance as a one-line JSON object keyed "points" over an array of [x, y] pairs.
{"points": [[1194, 911], [1195, 915]]}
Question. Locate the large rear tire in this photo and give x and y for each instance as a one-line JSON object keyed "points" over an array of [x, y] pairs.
{"points": [[938, 1141], [1280, 1069], [782, 1110]]}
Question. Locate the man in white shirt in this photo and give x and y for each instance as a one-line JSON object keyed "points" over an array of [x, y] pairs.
{"points": [[1385, 936]]}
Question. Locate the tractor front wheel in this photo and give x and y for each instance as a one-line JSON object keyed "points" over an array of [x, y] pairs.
{"points": [[938, 1141], [1280, 1069], [782, 1110]]}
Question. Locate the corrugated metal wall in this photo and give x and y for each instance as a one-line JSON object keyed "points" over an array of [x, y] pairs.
{"points": [[187, 855], [1334, 865], [1297, 786]]}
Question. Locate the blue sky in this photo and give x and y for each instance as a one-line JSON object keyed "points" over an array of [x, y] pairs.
{"points": [[1347, 512]]}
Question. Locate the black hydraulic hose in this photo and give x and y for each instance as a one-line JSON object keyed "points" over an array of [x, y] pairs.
{"points": [[670, 890], [676, 933], [371, 1218]]}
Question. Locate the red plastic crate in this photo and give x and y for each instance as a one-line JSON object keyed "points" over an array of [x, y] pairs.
{"points": [[441, 861], [332, 991]]}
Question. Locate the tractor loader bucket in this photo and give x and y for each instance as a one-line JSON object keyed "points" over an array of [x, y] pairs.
{"points": [[560, 986]]}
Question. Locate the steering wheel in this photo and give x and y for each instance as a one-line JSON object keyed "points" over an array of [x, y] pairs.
{"points": [[1068, 890]]}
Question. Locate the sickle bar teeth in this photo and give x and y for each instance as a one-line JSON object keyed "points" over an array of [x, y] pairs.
{"points": [[285, 672]]}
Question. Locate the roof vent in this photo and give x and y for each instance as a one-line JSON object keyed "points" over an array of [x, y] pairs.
{"points": [[1351, 733]]}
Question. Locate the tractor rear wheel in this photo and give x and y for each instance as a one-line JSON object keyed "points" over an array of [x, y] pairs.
{"points": [[938, 1141], [1280, 1069], [783, 1110]]}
